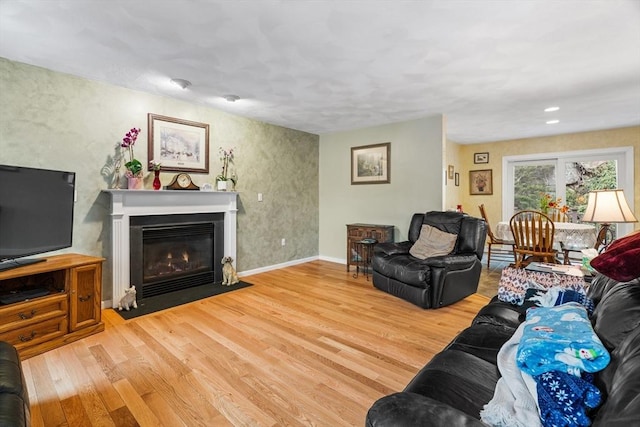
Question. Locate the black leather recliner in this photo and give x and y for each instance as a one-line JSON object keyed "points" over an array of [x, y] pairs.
{"points": [[438, 281]]}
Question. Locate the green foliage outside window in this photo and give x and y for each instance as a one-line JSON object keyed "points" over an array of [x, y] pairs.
{"points": [[599, 175], [530, 182]]}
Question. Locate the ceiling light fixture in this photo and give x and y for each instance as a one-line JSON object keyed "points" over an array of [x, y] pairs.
{"points": [[551, 109], [182, 83], [231, 98], [553, 122]]}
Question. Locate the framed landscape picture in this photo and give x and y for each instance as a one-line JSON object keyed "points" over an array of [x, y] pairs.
{"points": [[481, 158], [481, 182], [370, 164], [179, 145]]}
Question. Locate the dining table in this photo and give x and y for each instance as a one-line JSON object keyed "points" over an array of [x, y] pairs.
{"points": [[570, 234]]}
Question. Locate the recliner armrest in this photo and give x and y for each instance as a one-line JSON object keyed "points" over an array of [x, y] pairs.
{"points": [[453, 262], [390, 248]]}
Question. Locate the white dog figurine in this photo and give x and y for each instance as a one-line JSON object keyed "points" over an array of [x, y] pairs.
{"points": [[229, 276], [129, 299]]}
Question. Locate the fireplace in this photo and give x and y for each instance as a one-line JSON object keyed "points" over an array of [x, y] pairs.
{"points": [[131, 207], [169, 253]]}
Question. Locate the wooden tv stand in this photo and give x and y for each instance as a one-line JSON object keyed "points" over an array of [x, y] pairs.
{"points": [[70, 309]]}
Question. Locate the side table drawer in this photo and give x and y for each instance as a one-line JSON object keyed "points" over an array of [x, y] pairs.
{"points": [[36, 333], [17, 316], [380, 235], [356, 233]]}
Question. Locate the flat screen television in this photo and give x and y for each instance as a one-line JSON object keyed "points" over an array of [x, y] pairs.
{"points": [[36, 213]]}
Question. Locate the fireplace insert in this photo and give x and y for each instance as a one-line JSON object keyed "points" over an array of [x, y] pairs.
{"points": [[173, 252]]}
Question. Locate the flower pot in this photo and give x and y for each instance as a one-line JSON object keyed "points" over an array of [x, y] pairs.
{"points": [[222, 185], [156, 180], [134, 183]]}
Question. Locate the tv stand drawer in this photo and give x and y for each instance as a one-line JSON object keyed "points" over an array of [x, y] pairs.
{"points": [[26, 313], [36, 333]]}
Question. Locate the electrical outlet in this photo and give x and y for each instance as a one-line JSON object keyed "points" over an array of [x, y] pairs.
{"points": [[283, 242], [259, 197]]}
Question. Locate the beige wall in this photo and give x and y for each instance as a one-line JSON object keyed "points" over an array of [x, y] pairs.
{"points": [[623, 137], [416, 181], [58, 121], [454, 195]]}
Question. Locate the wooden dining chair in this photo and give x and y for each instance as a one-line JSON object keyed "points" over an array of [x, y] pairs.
{"points": [[557, 215], [493, 240], [533, 236]]}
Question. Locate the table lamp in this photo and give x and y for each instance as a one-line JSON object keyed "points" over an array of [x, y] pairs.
{"points": [[607, 207]]}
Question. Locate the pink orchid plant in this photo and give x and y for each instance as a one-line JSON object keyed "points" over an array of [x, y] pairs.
{"points": [[134, 167]]}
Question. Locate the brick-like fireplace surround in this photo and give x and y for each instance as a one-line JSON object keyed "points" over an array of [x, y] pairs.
{"points": [[131, 203]]}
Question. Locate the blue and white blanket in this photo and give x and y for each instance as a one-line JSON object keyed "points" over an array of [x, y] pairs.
{"points": [[561, 339], [558, 296], [515, 401], [565, 399]]}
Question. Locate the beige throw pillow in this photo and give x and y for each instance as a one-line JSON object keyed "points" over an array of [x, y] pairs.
{"points": [[432, 242]]}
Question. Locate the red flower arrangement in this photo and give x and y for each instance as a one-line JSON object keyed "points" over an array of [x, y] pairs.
{"points": [[548, 202]]}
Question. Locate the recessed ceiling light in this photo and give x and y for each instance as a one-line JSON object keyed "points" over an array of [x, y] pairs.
{"points": [[550, 109], [553, 122], [182, 83], [231, 98]]}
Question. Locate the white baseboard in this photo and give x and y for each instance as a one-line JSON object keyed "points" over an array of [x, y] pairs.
{"points": [[332, 259], [276, 266]]}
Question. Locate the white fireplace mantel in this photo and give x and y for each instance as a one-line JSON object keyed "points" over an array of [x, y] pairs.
{"points": [[128, 203]]}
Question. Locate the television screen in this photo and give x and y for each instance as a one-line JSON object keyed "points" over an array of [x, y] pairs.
{"points": [[36, 212]]}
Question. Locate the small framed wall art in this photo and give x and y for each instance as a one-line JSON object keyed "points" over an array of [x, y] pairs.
{"points": [[370, 164], [179, 145], [457, 179], [480, 158], [481, 182], [450, 171]]}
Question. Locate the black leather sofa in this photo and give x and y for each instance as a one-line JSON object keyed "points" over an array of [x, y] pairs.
{"points": [[453, 387], [14, 400], [440, 280]]}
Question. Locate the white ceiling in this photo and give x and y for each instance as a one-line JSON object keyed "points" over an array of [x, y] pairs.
{"points": [[322, 66]]}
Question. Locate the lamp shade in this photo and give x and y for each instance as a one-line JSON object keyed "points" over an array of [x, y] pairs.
{"points": [[607, 206]]}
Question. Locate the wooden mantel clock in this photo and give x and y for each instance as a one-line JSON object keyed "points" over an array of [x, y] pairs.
{"points": [[182, 181]]}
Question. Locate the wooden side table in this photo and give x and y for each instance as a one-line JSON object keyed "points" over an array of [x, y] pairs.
{"points": [[357, 232]]}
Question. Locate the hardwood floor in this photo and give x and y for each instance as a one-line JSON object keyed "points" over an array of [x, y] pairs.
{"points": [[306, 345], [490, 277]]}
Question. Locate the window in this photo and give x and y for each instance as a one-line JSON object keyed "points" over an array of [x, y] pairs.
{"points": [[531, 179], [568, 176], [582, 176]]}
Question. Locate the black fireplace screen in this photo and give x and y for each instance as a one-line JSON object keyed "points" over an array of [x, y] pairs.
{"points": [[174, 252]]}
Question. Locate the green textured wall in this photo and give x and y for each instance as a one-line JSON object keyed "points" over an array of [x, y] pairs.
{"points": [[58, 121]]}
